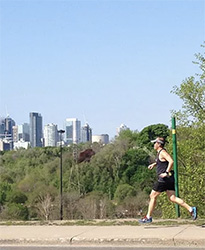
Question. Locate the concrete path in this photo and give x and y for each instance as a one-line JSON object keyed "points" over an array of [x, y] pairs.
{"points": [[146, 235]]}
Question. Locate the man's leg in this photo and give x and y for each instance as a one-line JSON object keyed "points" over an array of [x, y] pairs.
{"points": [[152, 202], [172, 197]]}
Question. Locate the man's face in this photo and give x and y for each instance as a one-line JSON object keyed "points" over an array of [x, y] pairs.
{"points": [[156, 145]]}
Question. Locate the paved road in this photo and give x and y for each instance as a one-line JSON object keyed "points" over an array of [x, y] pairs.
{"points": [[93, 248]]}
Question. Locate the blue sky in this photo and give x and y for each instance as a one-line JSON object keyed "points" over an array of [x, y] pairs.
{"points": [[109, 62]]}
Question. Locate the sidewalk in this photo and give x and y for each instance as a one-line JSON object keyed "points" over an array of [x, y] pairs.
{"points": [[144, 235]]}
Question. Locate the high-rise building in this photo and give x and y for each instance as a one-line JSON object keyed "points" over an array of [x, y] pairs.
{"points": [[50, 135], [72, 131], [86, 133], [6, 132], [6, 128], [36, 129], [9, 123], [15, 133], [24, 132], [2, 127]]}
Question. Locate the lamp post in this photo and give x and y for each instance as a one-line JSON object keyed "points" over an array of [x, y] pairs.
{"points": [[61, 175]]}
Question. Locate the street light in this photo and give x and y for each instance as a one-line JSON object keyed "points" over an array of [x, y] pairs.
{"points": [[61, 175]]}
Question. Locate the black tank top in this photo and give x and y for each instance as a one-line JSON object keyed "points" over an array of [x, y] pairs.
{"points": [[161, 165]]}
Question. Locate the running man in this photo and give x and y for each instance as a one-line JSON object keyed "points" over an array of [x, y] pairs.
{"points": [[165, 182]]}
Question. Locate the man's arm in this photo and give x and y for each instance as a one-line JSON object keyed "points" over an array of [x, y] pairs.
{"points": [[168, 158]]}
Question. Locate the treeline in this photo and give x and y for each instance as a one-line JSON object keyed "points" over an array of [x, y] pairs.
{"points": [[115, 183]]}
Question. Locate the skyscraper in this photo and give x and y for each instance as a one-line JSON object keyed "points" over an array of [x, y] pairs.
{"points": [[72, 131], [6, 131], [9, 123], [50, 135], [36, 129], [23, 132], [86, 133], [2, 127], [15, 133]]}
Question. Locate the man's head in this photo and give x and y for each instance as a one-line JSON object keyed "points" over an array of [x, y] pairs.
{"points": [[158, 142]]}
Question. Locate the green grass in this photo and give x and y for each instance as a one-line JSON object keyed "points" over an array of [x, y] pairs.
{"points": [[116, 222]]}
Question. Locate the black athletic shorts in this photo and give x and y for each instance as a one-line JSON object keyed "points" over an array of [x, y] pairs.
{"points": [[164, 186]]}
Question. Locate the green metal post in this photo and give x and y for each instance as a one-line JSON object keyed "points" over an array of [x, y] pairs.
{"points": [[174, 139]]}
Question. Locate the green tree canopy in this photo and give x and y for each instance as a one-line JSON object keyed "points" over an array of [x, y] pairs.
{"points": [[192, 93], [191, 141]]}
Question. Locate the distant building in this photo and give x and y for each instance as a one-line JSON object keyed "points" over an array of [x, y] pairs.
{"points": [[121, 128], [6, 145], [104, 138], [50, 135], [21, 144], [24, 132], [2, 127], [9, 123], [6, 133], [86, 133], [36, 130], [72, 131], [15, 133]]}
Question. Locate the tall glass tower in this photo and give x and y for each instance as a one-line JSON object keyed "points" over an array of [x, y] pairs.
{"points": [[86, 133], [72, 131], [36, 134], [6, 132], [23, 132]]}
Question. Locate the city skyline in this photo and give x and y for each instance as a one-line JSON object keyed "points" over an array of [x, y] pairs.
{"points": [[83, 125], [37, 134], [105, 62]]}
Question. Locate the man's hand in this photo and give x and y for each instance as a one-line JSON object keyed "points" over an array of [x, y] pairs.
{"points": [[151, 166], [163, 175]]}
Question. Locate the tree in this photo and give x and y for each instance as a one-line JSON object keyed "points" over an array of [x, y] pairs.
{"points": [[71, 203], [93, 206], [13, 211], [192, 93], [42, 199], [15, 196], [151, 132], [191, 141], [5, 188], [124, 191], [44, 205]]}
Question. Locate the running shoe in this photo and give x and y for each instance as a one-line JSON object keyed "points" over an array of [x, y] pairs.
{"points": [[145, 220], [194, 213]]}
